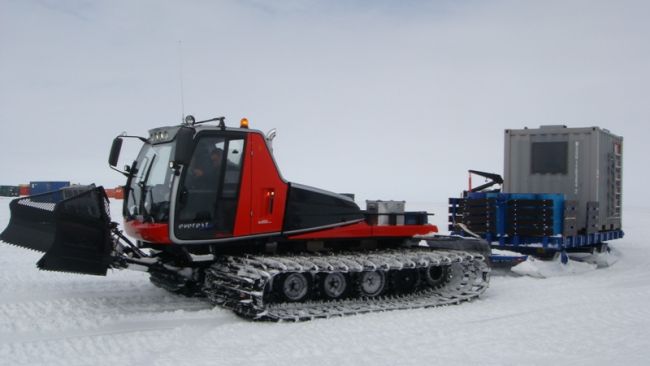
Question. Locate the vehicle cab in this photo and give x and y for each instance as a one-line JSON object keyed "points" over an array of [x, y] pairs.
{"points": [[209, 184]]}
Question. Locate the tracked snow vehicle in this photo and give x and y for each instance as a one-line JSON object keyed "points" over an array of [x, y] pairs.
{"points": [[212, 216]]}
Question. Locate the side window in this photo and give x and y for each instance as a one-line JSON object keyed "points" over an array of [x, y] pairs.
{"points": [[205, 166], [234, 160]]}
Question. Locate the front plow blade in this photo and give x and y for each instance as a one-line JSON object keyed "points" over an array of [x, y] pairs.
{"points": [[72, 226]]}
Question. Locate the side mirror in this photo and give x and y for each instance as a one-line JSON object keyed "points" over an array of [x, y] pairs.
{"points": [[184, 145], [115, 152]]}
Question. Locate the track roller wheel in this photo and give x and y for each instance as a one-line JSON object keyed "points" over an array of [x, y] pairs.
{"points": [[334, 285], [294, 287], [405, 280], [372, 283], [435, 275]]}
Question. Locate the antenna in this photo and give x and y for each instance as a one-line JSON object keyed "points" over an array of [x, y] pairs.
{"points": [[180, 74]]}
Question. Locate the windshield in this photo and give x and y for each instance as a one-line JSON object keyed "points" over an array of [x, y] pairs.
{"points": [[150, 188]]}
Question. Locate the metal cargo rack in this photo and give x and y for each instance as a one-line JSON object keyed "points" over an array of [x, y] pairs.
{"points": [[517, 221]]}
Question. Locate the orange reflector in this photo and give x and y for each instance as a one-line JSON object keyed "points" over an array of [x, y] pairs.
{"points": [[243, 123]]}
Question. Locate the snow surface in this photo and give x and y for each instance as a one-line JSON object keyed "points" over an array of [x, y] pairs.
{"points": [[599, 317], [551, 268]]}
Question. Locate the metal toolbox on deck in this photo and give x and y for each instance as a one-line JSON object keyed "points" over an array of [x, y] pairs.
{"points": [[386, 212]]}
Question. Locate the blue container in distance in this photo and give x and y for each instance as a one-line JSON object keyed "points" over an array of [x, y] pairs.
{"points": [[46, 186], [39, 191]]}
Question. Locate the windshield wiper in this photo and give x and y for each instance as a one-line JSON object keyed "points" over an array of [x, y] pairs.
{"points": [[143, 187]]}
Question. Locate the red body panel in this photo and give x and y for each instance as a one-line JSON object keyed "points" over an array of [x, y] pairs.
{"points": [[159, 233], [362, 230], [151, 232], [263, 193]]}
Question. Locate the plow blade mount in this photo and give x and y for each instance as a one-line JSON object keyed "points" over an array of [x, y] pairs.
{"points": [[72, 226]]}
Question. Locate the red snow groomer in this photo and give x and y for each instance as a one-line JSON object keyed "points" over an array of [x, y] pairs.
{"points": [[212, 216]]}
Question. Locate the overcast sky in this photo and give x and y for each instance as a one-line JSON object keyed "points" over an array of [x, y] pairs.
{"points": [[389, 100]]}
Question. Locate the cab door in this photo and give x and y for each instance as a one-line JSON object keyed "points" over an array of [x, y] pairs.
{"points": [[209, 189]]}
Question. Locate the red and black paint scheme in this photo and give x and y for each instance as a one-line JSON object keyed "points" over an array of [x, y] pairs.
{"points": [[244, 203], [197, 191]]}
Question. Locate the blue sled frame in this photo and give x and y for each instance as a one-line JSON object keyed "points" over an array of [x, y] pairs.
{"points": [[524, 222]]}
